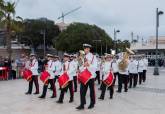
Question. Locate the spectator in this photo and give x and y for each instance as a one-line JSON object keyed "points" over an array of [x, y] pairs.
{"points": [[1, 61], [1, 64], [7, 63], [13, 69]]}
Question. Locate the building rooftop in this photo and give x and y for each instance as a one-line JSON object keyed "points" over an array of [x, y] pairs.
{"points": [[62, 26], [150, 44]]}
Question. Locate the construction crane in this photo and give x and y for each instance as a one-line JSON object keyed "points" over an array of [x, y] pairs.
{"points": [[16, 3], [65, 14]]}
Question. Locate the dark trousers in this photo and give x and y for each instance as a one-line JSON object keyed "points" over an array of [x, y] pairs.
{"points": [[54, 81], [103, 90], [63, 90], [144, 75], [45, 87], [56, 78], [115, 76], [35, 80], [133, 79], [83, 91], [75, 83], [98, 76], [140, 77], [130, 80], [123, 79], [13, 73]]}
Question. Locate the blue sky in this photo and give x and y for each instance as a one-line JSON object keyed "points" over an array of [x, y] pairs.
{"points": [[128, 16]]}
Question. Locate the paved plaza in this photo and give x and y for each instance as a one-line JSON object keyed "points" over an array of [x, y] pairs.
{"points": [[149, 98]]}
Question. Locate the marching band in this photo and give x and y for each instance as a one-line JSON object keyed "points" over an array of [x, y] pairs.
{"points": [[126, 67]]}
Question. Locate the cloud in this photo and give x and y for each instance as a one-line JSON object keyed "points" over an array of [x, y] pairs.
{"points": [[127, 15]]}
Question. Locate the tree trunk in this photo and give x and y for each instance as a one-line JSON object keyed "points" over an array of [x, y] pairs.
{"points": [[8, 37]]}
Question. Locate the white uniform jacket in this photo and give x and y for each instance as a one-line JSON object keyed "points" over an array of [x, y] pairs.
{"points": [[34, 67], [98, 64], [69, 69], [133, 67], [92, 61], [74, 66], [140, 65], [51, 69], [27, 64], [145, 63], [106, 69], [115, 66], [58, 68]]}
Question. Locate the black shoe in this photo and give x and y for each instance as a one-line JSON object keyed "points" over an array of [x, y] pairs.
{"points": [[42, 97], [27, 93], [53, 96], [125, 90], [36, 93], [59, 102], [71, 100], [75, 90], [80, 107], [91, 106], [130, 87], [111, 97], [118, 91], [101, 98]]}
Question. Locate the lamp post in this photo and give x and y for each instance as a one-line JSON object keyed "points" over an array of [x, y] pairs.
{"points": [[156, 69], [44, 43], [115, 39], [96, 45], [43, 32]]}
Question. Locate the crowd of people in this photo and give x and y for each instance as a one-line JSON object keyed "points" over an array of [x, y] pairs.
{"points": [[127, 68]]}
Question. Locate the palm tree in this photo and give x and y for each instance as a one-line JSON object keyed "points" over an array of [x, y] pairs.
{"points": [[7, 12]]}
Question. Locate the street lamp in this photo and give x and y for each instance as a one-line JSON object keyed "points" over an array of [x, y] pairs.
{"points": [[96, 45], [156, 69], [43, 32], [115, 39]]}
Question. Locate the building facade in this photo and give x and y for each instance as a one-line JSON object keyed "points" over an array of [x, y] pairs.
{"points": [[148, 48]]}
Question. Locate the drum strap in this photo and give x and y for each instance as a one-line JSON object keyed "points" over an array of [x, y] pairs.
{"points": [[33, 63], [66, 68], [51, 65], [111, 66], [92, 59], [138, 65]]}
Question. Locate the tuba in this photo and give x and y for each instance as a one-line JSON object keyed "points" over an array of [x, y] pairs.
{"points": [[123, 64]]}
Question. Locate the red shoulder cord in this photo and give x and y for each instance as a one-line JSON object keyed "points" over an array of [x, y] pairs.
{"points": [[92, 59], [51, 65], [65, 67], [33, 64]]}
